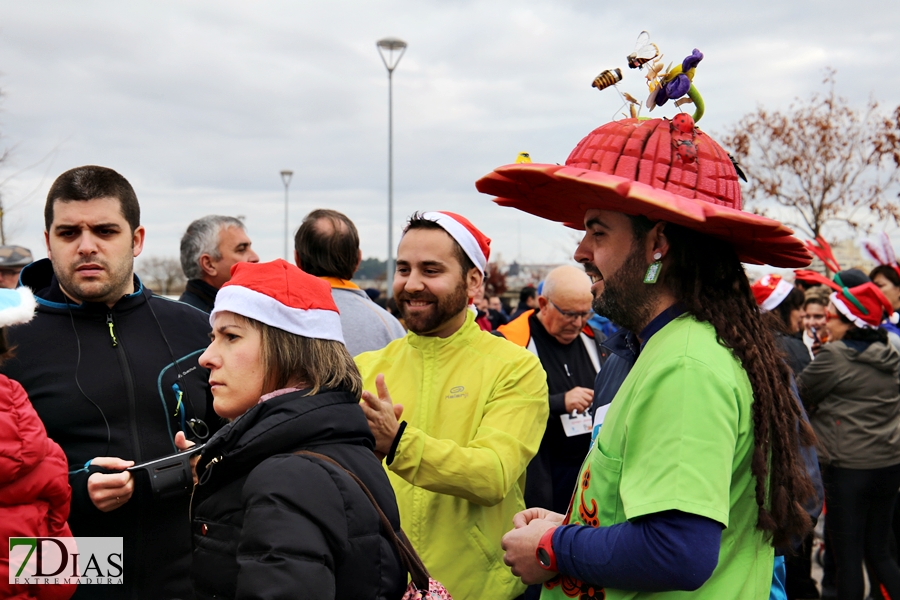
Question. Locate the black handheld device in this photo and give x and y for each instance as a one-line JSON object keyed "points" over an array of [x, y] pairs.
{"points": [[170, 476]]}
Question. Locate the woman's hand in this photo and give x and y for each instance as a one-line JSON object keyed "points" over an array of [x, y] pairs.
{"points": [[816, 346], [182, 443]]}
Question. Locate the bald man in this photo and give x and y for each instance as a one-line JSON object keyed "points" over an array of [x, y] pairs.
{"points": [[569, 350], [327, 245]]}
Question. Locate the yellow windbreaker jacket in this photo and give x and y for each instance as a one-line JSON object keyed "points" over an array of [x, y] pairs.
{"points": [[476, 408]]}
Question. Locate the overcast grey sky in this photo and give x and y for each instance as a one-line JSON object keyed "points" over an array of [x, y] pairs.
{"points": [[201, 104]]}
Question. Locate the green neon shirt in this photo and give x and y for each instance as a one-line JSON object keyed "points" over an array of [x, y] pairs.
{"points": [[679, 436]]}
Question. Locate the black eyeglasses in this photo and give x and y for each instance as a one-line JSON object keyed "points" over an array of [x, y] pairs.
{"points": [[570, 314]]}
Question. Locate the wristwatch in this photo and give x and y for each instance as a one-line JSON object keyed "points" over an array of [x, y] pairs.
{"points": [[544, 551]]}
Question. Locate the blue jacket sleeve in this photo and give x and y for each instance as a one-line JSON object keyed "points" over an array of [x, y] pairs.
{"points": [[665, 551]]}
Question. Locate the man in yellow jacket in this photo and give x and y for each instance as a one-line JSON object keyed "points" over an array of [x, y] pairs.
{"points": [[474, 408]]}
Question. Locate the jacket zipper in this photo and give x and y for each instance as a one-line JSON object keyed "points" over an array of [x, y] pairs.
{"points": [[112, 330], [129, 386], [203, 479], [132, 414]]}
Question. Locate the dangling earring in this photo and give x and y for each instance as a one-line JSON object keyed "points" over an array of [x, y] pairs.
{"points": [[653, 270]]}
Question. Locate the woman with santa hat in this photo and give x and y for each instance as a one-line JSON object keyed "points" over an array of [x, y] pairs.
{"points": [[277, 511], [781, 305], [852, 392]]}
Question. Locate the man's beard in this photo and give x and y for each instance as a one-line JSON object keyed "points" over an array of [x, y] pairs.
{"points": [[117, 278], [441, 311], [626, 300]]}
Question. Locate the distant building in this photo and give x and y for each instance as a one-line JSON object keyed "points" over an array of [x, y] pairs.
{"points": [[848, 256], [521, 275]]}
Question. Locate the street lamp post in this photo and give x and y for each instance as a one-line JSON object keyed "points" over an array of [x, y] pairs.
{"points": [[387, 49], [286, 176]]}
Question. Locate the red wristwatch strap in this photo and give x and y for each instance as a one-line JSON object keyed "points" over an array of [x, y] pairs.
{"points": [[544, 552]]}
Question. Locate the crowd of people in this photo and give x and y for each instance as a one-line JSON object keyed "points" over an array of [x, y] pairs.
{"points": [[647, 425], [836, 335]]}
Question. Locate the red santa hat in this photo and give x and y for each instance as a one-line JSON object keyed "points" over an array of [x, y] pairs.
{"points": [[770, 291], [475, 244], [280, 295], [864, 305]]}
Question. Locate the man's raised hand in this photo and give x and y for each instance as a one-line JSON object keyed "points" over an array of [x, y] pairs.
{"points": [[383, 416]]}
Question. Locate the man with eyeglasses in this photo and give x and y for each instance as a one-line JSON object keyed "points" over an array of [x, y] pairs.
{"points": [[569, 350]]}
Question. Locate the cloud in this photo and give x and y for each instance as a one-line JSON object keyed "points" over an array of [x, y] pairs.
{"points": [[201, 105]]}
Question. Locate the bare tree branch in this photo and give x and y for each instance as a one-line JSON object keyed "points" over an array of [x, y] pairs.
{"points": [[162, 274], [829, 163]]}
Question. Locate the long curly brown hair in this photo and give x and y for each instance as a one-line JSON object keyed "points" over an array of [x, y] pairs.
{"points": [[707, 278]]}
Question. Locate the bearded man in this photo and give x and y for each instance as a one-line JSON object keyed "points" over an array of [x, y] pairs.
{"points": [[694, 471], [474, 408]]}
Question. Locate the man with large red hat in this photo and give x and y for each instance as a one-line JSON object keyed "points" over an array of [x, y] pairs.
{"points": [[694, 471], [473, 409]]}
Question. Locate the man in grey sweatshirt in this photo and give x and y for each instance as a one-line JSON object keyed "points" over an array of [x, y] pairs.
{"points": [[327, 246]]}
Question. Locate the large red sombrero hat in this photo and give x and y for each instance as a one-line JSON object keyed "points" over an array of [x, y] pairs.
{"points": [[666, 170]]}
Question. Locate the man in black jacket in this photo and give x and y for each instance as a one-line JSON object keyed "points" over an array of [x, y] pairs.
{"points": [[209, 248], [112, 371]]}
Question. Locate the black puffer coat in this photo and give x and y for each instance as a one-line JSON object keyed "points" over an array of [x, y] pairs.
{"points": [[271, 524]]}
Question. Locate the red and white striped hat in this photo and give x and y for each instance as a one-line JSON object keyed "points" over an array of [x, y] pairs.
{"points": [[280, 295], [864, 305], [475, 244], [770, 291]]}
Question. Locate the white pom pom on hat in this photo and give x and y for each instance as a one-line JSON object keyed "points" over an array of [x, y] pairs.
{"points": [[16, 306]]}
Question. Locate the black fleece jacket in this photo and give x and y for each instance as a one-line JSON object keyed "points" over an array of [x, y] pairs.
{"points": [[87, 365], [199, 294], [268, 523]]}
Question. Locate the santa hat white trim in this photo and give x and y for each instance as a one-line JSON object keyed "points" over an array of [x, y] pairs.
{"points": [[19, 306], [845, 310], [320, 324], [462, 236], [777, 296]]}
